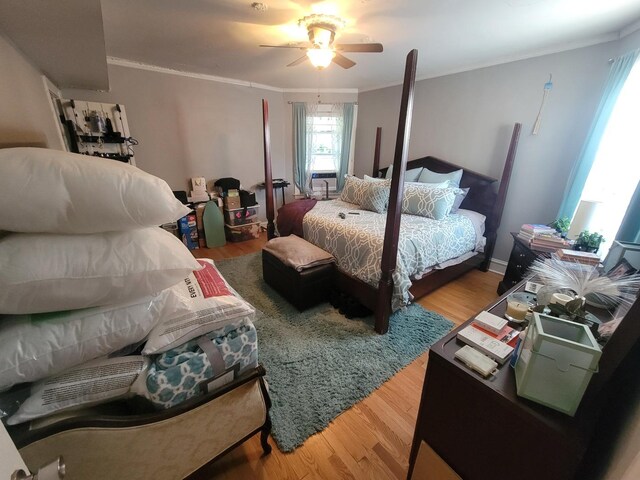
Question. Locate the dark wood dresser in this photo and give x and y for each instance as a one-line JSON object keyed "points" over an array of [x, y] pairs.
{"points": [[520, 260], [476, 428]]}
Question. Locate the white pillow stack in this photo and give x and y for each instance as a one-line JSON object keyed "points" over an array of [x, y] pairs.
{"points": [[81, 233]]}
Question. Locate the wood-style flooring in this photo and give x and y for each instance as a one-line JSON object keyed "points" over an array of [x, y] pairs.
{"points": [[373, 438]]}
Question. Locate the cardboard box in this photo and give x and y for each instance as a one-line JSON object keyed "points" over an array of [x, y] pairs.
{"points": [[188, 229], [231, 203], [242, 233]]}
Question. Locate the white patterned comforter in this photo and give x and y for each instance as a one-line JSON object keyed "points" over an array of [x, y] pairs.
{"points": [[356, 242]]}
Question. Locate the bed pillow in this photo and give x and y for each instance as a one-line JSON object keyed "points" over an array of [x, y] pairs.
{"points": [[428, 202], [33, 347], [98, 381], [409, 175], [210, 303], [377, 180], [355, 189], [43, 190], [47, 272], [376, 198], [427, 176], [459, 199]]}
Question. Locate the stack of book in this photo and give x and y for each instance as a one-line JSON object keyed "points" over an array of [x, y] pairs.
{"points": [[542, 238], [548, 243], [586, 258]]}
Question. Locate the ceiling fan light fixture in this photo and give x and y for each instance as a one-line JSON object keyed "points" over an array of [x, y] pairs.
{"points": [[320, 57]]}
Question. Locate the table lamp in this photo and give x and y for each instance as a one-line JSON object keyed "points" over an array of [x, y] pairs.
{"points": [[583, 218]]}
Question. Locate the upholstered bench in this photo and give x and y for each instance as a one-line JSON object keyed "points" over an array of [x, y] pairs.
{"points": [[299, 271]]}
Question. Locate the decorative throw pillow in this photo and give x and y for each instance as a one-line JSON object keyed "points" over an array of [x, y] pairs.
{"points": [[48, 272], [459, 198], [409, 175], [43, 190], [433, 203], [355, 189], [377, 197], [427, 176]]}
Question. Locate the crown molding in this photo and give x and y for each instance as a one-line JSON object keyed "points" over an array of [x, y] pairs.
{"points": [[510, 58], [321, 90], [122, 62], [629, 29]]}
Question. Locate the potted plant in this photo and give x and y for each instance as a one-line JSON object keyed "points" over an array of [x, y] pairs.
{"points": [[588, 241], [561, 225]]}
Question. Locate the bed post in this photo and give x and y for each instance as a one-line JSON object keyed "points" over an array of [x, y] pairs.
{"points": [[376, 153], [392, 227], [268, 181], [496, 214]]}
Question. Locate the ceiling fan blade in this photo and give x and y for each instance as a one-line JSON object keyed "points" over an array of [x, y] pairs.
{"points": [[359, 47], [343, 61], [298, 61], [300, 46]]}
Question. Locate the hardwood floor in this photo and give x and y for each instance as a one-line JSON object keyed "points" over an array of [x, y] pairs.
{"points": [[373, 438]]}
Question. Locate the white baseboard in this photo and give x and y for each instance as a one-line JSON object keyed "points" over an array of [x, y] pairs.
{"points": [[497, 266]]}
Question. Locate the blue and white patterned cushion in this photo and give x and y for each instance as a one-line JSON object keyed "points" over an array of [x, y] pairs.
{"points": [[377, 197], [427, 176], [428, 202], [175, 375], [354, 190]]}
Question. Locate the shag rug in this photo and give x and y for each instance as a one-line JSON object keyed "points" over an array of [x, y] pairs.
{"points": [[318, 362]]}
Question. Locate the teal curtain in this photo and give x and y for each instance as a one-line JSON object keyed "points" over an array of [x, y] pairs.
{"points": [[629, 230], [300, 146], [619, 72], [345, 148]]}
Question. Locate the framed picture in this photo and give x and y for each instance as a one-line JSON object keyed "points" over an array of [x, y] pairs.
{"points": [[621, 269]]}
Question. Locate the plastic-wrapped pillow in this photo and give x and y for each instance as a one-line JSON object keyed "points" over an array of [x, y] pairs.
{"points": [[43, 190], [33, 347], [210, 303], [42, 272]]}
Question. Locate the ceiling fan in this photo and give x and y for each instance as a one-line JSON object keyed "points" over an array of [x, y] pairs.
{"points": [[321, 50]]}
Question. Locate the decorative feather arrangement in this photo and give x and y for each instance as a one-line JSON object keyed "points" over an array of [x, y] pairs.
{"points": [[586, 281]]}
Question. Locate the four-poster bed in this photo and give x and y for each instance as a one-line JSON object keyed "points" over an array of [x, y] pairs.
{"points": [[481, 198]]}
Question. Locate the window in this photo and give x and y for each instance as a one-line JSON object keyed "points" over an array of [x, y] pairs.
{"points": [[616, 170], [323, 136], [324, 142]]}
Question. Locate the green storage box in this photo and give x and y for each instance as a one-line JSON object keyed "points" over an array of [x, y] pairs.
{"points": [[556, 362]]}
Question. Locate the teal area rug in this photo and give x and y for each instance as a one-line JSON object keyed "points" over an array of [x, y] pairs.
{"points": [[318, 362]]}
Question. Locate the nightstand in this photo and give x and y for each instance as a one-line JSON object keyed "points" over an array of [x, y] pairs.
{"points": [[520, 260]]}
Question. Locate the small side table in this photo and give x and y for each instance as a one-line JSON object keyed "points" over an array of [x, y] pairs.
{"points": [[278, 184], [520, 260]]}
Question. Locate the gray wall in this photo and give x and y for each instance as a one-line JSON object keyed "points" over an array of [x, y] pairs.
{"points": [[26, 113], [467, 118], [194, 127]]}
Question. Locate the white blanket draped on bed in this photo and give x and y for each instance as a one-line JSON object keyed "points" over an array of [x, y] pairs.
{"points": [[356, 241]]}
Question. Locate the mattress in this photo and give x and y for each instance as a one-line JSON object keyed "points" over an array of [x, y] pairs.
{"points": [[356, 242]]}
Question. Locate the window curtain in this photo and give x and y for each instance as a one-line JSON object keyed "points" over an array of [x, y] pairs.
{"points": [[301, 170], [619, 72], [630, 227], [345, 147]]}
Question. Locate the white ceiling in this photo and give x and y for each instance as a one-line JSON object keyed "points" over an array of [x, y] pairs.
{"points": [[221, 37]]}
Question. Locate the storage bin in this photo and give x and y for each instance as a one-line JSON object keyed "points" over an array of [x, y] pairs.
{"points": [[241, 216], [556, 362], [242, 233]]}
